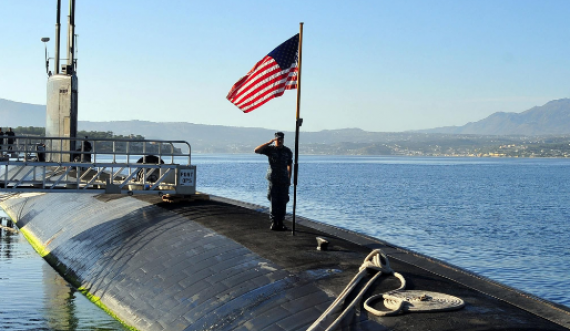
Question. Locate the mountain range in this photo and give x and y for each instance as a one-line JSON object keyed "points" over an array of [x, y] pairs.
{"points": [[553, 118], [14, 114]]}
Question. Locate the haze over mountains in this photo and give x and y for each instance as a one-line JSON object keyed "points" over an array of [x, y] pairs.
{"points": [[14, 114], [539, 131], [552, 118]]}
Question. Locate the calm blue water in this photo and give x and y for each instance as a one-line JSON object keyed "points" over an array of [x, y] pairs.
{"points": [[506, 219], [35, 297]]}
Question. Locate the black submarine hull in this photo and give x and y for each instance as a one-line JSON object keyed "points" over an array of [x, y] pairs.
{"points": [[215, 265]]}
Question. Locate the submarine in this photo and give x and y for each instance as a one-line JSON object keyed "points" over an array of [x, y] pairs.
{"points": [[134, 235]]}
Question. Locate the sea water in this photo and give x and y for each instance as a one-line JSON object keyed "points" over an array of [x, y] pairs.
{"points": [[506, 219], [35, 297]]}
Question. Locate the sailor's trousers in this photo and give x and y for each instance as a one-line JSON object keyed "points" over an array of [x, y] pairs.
{"points": [[279, 196]]}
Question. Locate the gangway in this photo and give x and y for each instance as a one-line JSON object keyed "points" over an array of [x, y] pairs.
{"points": [[123, 166]]}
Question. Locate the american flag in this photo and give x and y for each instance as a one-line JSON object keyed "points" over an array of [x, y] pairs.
{"points": [[269, 78]]}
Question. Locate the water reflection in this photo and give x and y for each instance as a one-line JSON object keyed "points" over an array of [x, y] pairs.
{"points": [[7, 231], [35, 297]]}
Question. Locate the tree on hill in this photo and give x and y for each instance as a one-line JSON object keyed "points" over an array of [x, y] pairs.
{"points": [[29, 130], [40, 131]]}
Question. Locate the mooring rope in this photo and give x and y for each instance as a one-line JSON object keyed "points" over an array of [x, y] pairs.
{"points": [[396, 300]]}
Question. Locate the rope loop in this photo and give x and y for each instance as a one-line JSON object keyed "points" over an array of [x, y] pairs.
{"points": [[377, 260], [396, 301]]}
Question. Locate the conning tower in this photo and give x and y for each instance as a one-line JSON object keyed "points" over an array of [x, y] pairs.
{"points": [[62, 86]]}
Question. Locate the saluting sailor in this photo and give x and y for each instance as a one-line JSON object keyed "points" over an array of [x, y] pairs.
{"points": [[280, 160]]}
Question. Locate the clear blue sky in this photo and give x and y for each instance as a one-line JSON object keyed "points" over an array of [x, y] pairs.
{"points": [[377, 65]]}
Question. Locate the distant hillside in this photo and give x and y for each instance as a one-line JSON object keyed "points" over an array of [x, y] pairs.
{"points": [[14, 114], [531, 133], [552, 118], [228, 135], [224, 139]]}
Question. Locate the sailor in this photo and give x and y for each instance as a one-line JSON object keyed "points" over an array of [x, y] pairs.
{"points": [[279, 176], [84, 148], [10, 134], [41, 147], [87, 145]]}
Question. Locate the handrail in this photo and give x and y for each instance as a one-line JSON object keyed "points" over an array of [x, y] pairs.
{"points": [[53, 164], [24, 147]]}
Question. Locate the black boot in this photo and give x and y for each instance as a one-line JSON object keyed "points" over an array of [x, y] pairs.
{"points": [[274, 226], [278, 226], [281, 226]]}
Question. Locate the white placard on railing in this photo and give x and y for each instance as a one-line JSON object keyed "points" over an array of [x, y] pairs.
{"points": [[186, 177]]}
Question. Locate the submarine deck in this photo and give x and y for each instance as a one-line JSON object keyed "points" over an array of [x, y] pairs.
{"points": [[216, 265], [489, 305]]}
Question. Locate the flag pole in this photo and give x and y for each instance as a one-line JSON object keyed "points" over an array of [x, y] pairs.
{"points": [[299, 122]]}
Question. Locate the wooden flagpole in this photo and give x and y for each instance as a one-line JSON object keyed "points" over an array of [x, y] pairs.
{"points": [[299, 122]]}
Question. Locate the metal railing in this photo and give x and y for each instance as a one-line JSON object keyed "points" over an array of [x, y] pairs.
{"points": [[31, 163], [24, 148]]}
